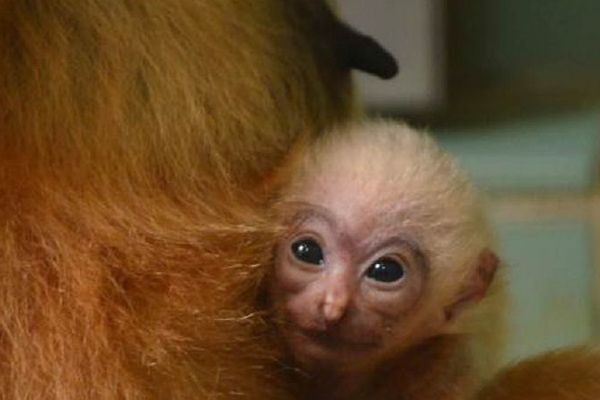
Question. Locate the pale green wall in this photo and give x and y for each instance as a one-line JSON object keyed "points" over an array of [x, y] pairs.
{"points": [[549, 263]]}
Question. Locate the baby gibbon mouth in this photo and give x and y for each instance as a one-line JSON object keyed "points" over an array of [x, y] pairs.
{"points": [[335, 342]]}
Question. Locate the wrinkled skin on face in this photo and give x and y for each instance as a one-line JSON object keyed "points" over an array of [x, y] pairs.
{"points": [[349, 290]]}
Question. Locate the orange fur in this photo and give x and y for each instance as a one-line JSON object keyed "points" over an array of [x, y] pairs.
{"points": [[132, 134], [568, 374]]}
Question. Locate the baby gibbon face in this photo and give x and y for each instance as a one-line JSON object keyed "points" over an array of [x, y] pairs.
{"points": [[382, 249], [346, 287]]}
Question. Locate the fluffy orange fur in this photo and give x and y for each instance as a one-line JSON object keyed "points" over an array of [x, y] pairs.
{"points": [[133, 136], [568, 374]]}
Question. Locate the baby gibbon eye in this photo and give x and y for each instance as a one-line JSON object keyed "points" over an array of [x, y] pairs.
{"points": [[386, 270], [308, 251]]}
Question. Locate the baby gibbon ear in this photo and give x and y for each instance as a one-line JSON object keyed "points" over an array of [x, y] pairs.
{"points": [[477, 285]]}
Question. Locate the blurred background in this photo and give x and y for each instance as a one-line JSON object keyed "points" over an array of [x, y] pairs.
{"points": [[512, 88]]}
